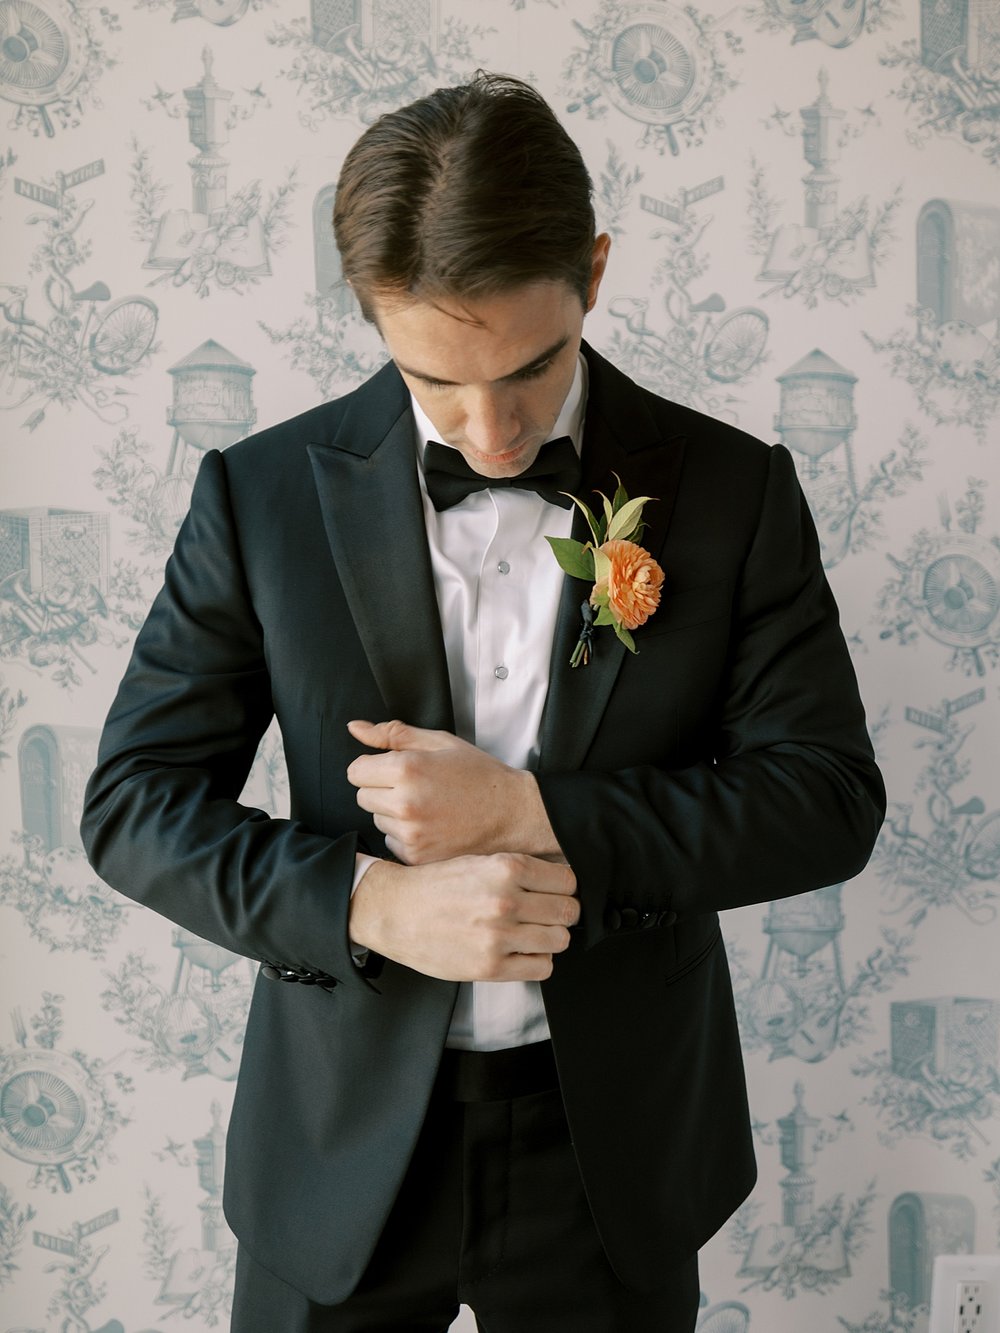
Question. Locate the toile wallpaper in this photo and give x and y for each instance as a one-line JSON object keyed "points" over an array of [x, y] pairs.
{"points": [[804, 197]]}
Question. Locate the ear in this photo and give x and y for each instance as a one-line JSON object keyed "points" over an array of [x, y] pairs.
{"points": [[598, 263]]}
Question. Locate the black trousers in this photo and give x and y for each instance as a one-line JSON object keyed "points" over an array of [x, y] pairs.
{"points": [[492, 1215]]}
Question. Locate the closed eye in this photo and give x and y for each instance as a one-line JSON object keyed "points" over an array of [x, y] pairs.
{"points": [[519, 377], [533, 372]]}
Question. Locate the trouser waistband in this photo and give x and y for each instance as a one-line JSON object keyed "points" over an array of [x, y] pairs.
{"points": [[493, 1076]]}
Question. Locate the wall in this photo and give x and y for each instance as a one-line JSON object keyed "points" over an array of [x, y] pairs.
{"points": [[803, 198]]}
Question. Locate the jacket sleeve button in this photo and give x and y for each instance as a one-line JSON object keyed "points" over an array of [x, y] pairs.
{"points": [[612, 918], [667, 918], [630, 918], [270, 971]]}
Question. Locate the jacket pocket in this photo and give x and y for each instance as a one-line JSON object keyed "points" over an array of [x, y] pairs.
{"points": [[693, 960]]}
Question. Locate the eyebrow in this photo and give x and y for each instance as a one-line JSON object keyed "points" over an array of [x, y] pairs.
{"points": [[526, 369]]}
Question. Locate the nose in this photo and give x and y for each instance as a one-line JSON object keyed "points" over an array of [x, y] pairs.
{"points": [[491, 422]]}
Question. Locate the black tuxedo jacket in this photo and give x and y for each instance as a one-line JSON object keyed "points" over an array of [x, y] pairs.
{"points": [[726, 763]]}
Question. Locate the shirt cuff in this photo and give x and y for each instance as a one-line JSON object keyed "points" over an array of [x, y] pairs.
{"points": [[362, 863]]}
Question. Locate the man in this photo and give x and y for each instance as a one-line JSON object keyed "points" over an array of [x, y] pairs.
{"points": [[509, 1072]]}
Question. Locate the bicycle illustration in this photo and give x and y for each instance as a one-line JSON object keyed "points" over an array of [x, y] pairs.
{"points": [[64, 355], [953, 862], [703, 346]]}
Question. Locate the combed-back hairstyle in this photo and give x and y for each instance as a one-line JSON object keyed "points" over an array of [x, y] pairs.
{"points": [[465, 193]]}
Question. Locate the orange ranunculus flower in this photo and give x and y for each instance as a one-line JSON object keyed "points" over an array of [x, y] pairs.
{"points": [[633, 585]]}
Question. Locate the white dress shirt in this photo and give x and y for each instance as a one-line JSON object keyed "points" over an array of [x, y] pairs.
{"points": [[498, 587]]}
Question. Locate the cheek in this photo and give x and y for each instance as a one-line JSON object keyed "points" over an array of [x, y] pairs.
{"points": [[441, 408]]}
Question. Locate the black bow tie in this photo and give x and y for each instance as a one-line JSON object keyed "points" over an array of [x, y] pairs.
{"points": [[450, 479]]}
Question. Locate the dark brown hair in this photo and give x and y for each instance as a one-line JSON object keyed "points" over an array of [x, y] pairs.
{"points": [[465, 193]]}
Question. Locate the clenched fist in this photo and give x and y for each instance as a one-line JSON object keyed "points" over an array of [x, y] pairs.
{"points": [[435, 796]]}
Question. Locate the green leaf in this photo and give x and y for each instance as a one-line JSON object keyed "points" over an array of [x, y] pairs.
{"points": [[626, 519], [575, 558], [625, 637], [605, 616], [591, 520], [602, 566], [620, 496], [609, 512]]}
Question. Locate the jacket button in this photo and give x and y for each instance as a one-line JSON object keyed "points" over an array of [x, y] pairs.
{"points": [[648, 919], [287, 975], [270, 971], [327, 983], [630, 918], [612, 918], [308, 979], [667, 918]]}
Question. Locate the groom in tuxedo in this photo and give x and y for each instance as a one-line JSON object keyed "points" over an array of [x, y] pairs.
{"points": [[492, 1053]]}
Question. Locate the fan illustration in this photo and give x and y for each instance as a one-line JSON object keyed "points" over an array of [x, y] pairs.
{"points": [[43, 53], [49, 1110], [652, 68], [948, 586], [726, 1317], [956, 595]]}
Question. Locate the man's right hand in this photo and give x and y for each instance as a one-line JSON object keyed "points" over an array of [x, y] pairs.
{"points": [[472, 918]]}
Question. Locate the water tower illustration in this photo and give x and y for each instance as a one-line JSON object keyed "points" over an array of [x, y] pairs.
{"points": [[799, 929], [213, 402], [816, 420]]}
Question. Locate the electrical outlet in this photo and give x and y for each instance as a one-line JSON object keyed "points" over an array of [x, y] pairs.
{"points": [[969, 1307], [965, 1295]]}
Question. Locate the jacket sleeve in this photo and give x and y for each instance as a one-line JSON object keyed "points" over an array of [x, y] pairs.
{"points": [[162, 822], [790, 798]]}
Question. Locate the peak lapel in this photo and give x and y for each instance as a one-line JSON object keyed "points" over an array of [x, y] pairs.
{"points": [[621, 437], [369, 496]]}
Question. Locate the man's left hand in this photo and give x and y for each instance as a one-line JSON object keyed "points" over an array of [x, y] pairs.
{"points": [[435, 796]]}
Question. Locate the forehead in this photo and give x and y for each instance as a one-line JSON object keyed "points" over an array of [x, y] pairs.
{"points": [[481, 340]]}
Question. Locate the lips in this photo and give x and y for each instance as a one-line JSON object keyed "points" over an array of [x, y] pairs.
{"points": [[518, 458], [509, 456]]}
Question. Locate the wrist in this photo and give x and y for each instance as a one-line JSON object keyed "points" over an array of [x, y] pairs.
{"points": [[370, 911], [529, 829]]}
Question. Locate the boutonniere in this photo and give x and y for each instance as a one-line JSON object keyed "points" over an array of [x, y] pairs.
{"points": [[626, 579]]}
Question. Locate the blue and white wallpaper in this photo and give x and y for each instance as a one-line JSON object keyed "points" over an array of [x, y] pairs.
{"points": [[804, 197]]}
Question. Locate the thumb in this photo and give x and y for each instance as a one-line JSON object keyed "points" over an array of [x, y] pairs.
{"points": [[396, 735]]}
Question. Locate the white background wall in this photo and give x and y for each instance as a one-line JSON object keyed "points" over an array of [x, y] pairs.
{"points": [[119, 1044]]}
